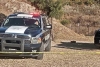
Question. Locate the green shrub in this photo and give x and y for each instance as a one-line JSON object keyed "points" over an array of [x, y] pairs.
{"points": [[79, 3], [65, 22]]}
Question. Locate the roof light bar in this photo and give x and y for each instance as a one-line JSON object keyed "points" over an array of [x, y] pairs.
{"points": [[35, 14], [24, 15]]}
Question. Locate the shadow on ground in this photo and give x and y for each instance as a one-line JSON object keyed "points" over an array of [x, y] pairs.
{"points": [[12, 57], [77, 46]]}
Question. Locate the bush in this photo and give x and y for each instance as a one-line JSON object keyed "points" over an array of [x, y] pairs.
{"points": [[2, 17], [65, 22], [79, 3]]}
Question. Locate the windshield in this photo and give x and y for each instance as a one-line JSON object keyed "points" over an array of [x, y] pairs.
{"points": [[21, 22]]}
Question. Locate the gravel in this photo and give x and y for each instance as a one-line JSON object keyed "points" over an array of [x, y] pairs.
{"points": [[75, 58]]}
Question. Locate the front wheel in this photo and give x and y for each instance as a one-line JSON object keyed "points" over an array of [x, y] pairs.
{"points": [[40, 55], [48, 48]]}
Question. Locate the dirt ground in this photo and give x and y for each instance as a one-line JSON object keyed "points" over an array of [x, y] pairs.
{"points": [[79, 54]]}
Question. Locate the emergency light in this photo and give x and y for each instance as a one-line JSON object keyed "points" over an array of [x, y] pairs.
{"points": [[35, 14], [24, 15]]}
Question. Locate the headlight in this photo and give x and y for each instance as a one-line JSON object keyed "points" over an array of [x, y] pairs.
{"points": [[36, 40], [39, 40]]}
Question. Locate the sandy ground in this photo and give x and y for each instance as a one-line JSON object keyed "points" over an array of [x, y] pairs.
{"points": [[79, 54]]}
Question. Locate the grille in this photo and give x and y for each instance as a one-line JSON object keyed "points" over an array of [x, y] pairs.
{"points": [[5, 35], [13, 41], [27, 42], [15, 35], [23, 36]]}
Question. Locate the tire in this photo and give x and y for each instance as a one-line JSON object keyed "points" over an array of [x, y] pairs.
{"points": [[48, 48], [40, 55]]}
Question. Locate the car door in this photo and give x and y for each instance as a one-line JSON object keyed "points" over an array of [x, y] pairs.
{"points": [[47, 31]]}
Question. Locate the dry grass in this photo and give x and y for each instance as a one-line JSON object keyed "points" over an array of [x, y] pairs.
{"points": [[84, 15]]}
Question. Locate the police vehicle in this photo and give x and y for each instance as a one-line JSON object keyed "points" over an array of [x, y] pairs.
{"points": [[22, 32]]}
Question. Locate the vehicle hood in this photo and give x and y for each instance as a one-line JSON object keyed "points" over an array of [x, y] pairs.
{"points": [[21, 30]]}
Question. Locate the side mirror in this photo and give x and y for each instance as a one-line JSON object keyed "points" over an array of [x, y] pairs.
{"points": [[48, 26]]}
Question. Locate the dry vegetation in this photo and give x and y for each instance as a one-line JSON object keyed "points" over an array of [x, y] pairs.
{"points": [[84, 15]]}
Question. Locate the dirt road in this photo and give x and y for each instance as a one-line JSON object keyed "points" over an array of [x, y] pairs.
{"points": [[76, 55]]}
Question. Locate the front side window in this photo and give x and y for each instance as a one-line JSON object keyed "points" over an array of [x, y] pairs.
{"points": [[21, 22]]}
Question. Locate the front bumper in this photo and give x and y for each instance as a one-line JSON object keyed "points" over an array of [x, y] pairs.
{"points": [[17, 47]]}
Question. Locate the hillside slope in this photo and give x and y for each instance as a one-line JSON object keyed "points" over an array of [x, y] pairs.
{"points": [[64, 33], [9, 6]]}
